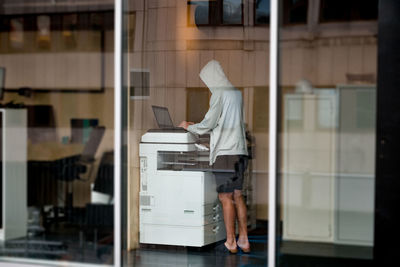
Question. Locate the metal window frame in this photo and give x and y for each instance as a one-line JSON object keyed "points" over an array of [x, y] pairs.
{"points": [[118, 13], [273, 83], [117, 129], [273, 117]]}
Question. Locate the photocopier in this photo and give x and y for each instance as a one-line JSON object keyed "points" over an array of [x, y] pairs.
{"points": [[178, 200]]}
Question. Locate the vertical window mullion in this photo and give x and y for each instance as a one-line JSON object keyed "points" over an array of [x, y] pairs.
{"points": [[117, 129], [273, 100]]}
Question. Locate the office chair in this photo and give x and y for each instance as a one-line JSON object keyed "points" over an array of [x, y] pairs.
{"points": [[84, 164], [104, 182], [99, 219], [81, 167]]}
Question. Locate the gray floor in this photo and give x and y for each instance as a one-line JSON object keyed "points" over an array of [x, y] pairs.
{"points": [[326, 250], [215, 255], [65, 245], [291, 254]]}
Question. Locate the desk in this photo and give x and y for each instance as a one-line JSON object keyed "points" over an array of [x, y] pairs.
{"points": [[51, 151], [45, 167]]}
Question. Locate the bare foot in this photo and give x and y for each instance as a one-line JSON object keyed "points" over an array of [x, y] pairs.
{"points": [[231, 246], [244, 245]]}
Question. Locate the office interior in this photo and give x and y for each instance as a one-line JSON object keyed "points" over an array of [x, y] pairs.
{"points": [[57, 66]]}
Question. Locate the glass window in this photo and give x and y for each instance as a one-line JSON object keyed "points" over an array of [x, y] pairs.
{"points": [[198, 13], [295, 11], [215, 12], [232, 12], [327, 125], [262, 12], [56, 120], [215, 80], [332, 11]]}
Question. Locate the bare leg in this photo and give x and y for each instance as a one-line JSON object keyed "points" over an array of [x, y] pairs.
{"points": [[229, 219], [241, 210]]}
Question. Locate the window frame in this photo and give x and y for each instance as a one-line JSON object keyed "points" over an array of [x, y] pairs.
{"points": [[219, 21], [286, 14], [255, 15], [321, 20]]}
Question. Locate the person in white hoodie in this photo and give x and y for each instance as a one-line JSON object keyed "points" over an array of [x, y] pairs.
{"points": [[228, 149]]}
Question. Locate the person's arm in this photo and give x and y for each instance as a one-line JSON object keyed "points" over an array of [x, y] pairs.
{"points": [[210, 120]]}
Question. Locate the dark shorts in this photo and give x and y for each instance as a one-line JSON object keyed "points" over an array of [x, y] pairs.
{"points": [[229, 172]]}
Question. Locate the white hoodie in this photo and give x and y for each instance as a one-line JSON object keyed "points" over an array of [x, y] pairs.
{"points": [[224, 119]]}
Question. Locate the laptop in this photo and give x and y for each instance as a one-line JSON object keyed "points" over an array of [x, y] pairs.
{"points": [[164, 120]]}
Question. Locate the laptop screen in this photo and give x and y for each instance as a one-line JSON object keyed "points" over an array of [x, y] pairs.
{"points": [[162, 117]]}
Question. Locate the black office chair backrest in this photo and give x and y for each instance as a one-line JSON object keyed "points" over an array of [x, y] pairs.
{"points": [[104, 182], [92, 144]]}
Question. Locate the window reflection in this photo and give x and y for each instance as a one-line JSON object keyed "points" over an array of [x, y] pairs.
{"points": [[295, 11], [215, 12], [198, 13], [232, 12], [332, 10], [178, 187], [262, 11], [327, 138]]}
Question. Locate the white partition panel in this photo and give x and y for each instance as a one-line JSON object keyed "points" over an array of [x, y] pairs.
{"points": [[14, 173]]}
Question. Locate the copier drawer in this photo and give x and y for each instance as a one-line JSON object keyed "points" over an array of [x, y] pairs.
{"points": [[190, 217], [195, 236]]}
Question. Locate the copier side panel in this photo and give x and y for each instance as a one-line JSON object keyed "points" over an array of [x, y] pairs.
{"points": [[182, 235]]}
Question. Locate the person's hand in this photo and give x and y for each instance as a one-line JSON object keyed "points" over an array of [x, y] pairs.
{"points": [[185, 124]]}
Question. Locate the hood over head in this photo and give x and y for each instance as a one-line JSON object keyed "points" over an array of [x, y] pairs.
{"points": [[214, 77]]}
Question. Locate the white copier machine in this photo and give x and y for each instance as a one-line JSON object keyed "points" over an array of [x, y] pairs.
{"points": [[178, 200]]}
